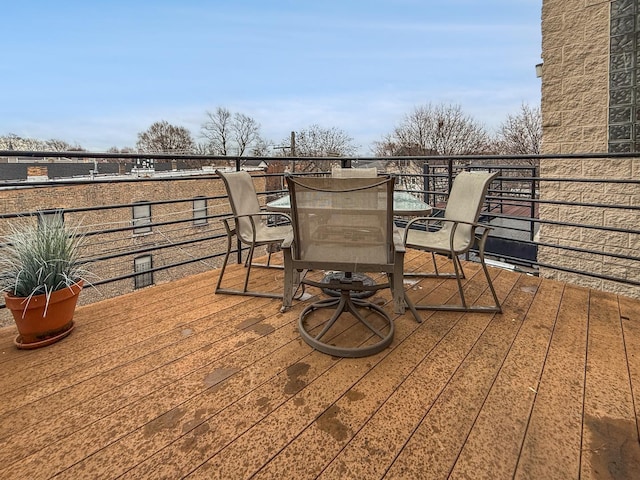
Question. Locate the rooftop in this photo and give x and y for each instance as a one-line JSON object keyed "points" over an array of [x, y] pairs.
{"points": [[172, 380]]}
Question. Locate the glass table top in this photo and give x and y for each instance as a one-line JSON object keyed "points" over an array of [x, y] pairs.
{"points": [[403, 204]]}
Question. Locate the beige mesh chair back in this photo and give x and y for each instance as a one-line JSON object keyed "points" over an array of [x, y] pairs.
{"points": [[339, 172], [344, 224], [248, 224], [455, 234]]}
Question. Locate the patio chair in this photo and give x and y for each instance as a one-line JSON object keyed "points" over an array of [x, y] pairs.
{"points": [[359, 238], [249, 225], [339, 172], [458, 232]]}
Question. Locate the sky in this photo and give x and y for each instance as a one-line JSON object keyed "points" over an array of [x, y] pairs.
{"points": [[96, 73]]}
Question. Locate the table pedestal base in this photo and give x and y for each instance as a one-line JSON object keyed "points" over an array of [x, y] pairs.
{"points": [[368, 281]]}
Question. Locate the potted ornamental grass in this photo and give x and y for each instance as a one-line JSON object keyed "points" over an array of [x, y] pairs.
{"points": [[42, 275]]}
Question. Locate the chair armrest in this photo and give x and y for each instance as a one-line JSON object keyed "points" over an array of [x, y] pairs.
{"points": [[263, 214], [452, 233], [251, 221], [288, 242], [231, 231], [398, 241], [447, 220]]}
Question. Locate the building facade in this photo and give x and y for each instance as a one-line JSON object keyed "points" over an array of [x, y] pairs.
{"points": [[590, 99], [133, 227]]}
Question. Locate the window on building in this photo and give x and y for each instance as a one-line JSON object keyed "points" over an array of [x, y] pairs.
{"points": [[51, 217], [200, 211], [143, 264], [142, 218]]}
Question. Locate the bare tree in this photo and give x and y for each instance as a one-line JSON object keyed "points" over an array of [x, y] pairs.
{"points": [[521, 134], [56, 145], [316, 141], [229, 134], [14, 142], [435, 130], [217, 130], [245, 130], [261, 147], [162, 137]]}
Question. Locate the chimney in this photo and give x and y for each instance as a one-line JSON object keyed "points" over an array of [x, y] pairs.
{"points": [[37, 173]]}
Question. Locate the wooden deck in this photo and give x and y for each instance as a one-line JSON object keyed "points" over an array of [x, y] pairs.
{"points": [[174, 381]]}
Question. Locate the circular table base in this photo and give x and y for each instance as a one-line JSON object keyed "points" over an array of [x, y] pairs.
{"points": [[347, 304]]}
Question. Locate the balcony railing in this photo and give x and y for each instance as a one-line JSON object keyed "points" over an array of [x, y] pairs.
{"points": [[155, 218]]}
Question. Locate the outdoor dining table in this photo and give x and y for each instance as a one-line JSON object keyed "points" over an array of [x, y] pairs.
{"points": [[404, 204]]}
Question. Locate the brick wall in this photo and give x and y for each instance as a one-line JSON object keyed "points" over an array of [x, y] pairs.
{"points": [[114, 194]]}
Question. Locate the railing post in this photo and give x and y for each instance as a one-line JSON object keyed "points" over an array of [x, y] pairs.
{"points": [[238, 243], [532, 209], [501, 189], [426, 183]]}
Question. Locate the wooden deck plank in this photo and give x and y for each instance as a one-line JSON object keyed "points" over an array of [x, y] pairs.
{"points": [[152, 319], [110, 455], [181, 462], [442, 342], [630, 319], [125, 400], [136, 379], [80, 373], [225, 388], [433, 448], [552, 445], [317, 435], [499, 430], [610, 448]]}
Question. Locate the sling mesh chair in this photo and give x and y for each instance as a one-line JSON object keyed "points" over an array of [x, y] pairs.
{"points": [[459, 231], [249, 225], [339, 172], [344, 224]]}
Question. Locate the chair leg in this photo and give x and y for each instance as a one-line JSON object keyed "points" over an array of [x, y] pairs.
{"points": [[289, 280], [249, 260], [436, 271], [482, 242], [459, 276], [245, 290], [412, 307], [267, 265], [396, 282], [457, 267], [226, 259]]}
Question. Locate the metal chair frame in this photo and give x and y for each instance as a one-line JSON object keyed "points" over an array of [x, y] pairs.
{"points": [[393, 268], [477, 233], [233, 226]]}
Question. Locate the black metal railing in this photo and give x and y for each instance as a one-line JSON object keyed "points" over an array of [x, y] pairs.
{"points": [[103, 204]]}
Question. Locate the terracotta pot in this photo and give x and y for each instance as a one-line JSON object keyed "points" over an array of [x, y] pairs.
{"points": [[38, 328]]}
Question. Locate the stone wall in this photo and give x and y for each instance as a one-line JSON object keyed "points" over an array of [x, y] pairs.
{"points": [[576, 112], [575, 54]]}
